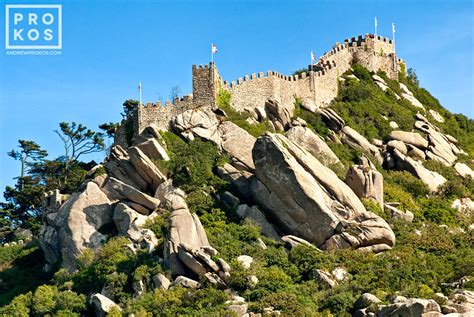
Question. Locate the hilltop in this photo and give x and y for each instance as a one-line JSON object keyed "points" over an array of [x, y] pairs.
{"points": [[342, 189]]}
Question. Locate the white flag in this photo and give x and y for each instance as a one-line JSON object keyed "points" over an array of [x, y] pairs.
{"points": [[313, 58], [393, 27], [214, 48], [140, 87]]}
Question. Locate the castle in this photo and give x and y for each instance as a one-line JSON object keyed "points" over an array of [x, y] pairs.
{"points": [[318, 86]]}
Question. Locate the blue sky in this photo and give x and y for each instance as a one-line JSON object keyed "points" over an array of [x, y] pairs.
{"points": [[109, 46]]}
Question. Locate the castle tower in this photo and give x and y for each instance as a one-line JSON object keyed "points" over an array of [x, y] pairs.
{"points": [[206, 81]]}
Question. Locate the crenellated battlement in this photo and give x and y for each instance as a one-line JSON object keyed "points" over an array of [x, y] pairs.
{"points": [[318, 85]]}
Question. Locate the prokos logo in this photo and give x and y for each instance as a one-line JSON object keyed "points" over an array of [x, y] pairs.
{"points": [[33, 26]]}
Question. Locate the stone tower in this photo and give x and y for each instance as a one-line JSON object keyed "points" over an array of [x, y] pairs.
{"points": [[206, 82]]}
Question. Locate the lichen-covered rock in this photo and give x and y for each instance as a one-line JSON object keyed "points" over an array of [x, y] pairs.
{"points": [[306, 199], [464, 170]]}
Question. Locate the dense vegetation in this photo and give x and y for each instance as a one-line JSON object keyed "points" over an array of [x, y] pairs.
{"points": [[425, 256]]}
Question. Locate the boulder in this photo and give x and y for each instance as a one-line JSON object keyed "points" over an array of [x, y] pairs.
{"points": [[298, 122], [278, 114], [399, 145], [409, 138], [464, 205], [186, 247], [226, 135], [186, 282], [366, 181], [464, 170], [261, 114], [237, 142], [256, 217], [103, 305], [410, 307], [78, 222], [366, 300], [309, 104], [238, 309], [202, 122], [436, 116], [160, 281], [432, 179], [332, 119], [293, 241], [229, 202], [408, 95], [415, 152], [353, 139], [398, 214], [127, 221], [325, 279], [239, 179], [153, 149], [308, 200], [116, 189], [245, 261], [146, 168], [308, 140], [49, 242]]}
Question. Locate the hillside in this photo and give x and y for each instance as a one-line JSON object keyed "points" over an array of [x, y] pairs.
{"points": [[345, 193]]}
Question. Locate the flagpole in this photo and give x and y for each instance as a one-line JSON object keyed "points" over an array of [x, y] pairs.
{"points": [[393, 36], [140, 93], [375, 27]]}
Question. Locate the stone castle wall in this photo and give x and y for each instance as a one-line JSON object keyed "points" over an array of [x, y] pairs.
{"points": [[319, 85]]}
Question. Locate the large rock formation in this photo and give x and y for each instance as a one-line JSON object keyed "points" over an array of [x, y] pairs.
{"points": [[308, 200], [311, 142], [187, 250], [75, 226], [366, 181], [228, 137]]}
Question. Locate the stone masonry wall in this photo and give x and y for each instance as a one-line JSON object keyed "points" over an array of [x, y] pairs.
{"points": [[319, 84]]}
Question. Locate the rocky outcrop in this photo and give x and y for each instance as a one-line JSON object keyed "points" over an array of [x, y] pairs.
{"points": [[355, 140], [118, 190], [256, 217], [366, 181], [293, 241], [412, 138], [75, 226], [187, 250], [228, 137], [464, 170], [432, 179], [441, 147], [464, 205], [408, 95], [278, 114], [308, 200], [332, 119], [311, 142], [398, 214]]}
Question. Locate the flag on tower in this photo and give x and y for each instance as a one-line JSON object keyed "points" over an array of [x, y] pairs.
{"points": [[313, 58], [214, 49], [393, 27]]}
